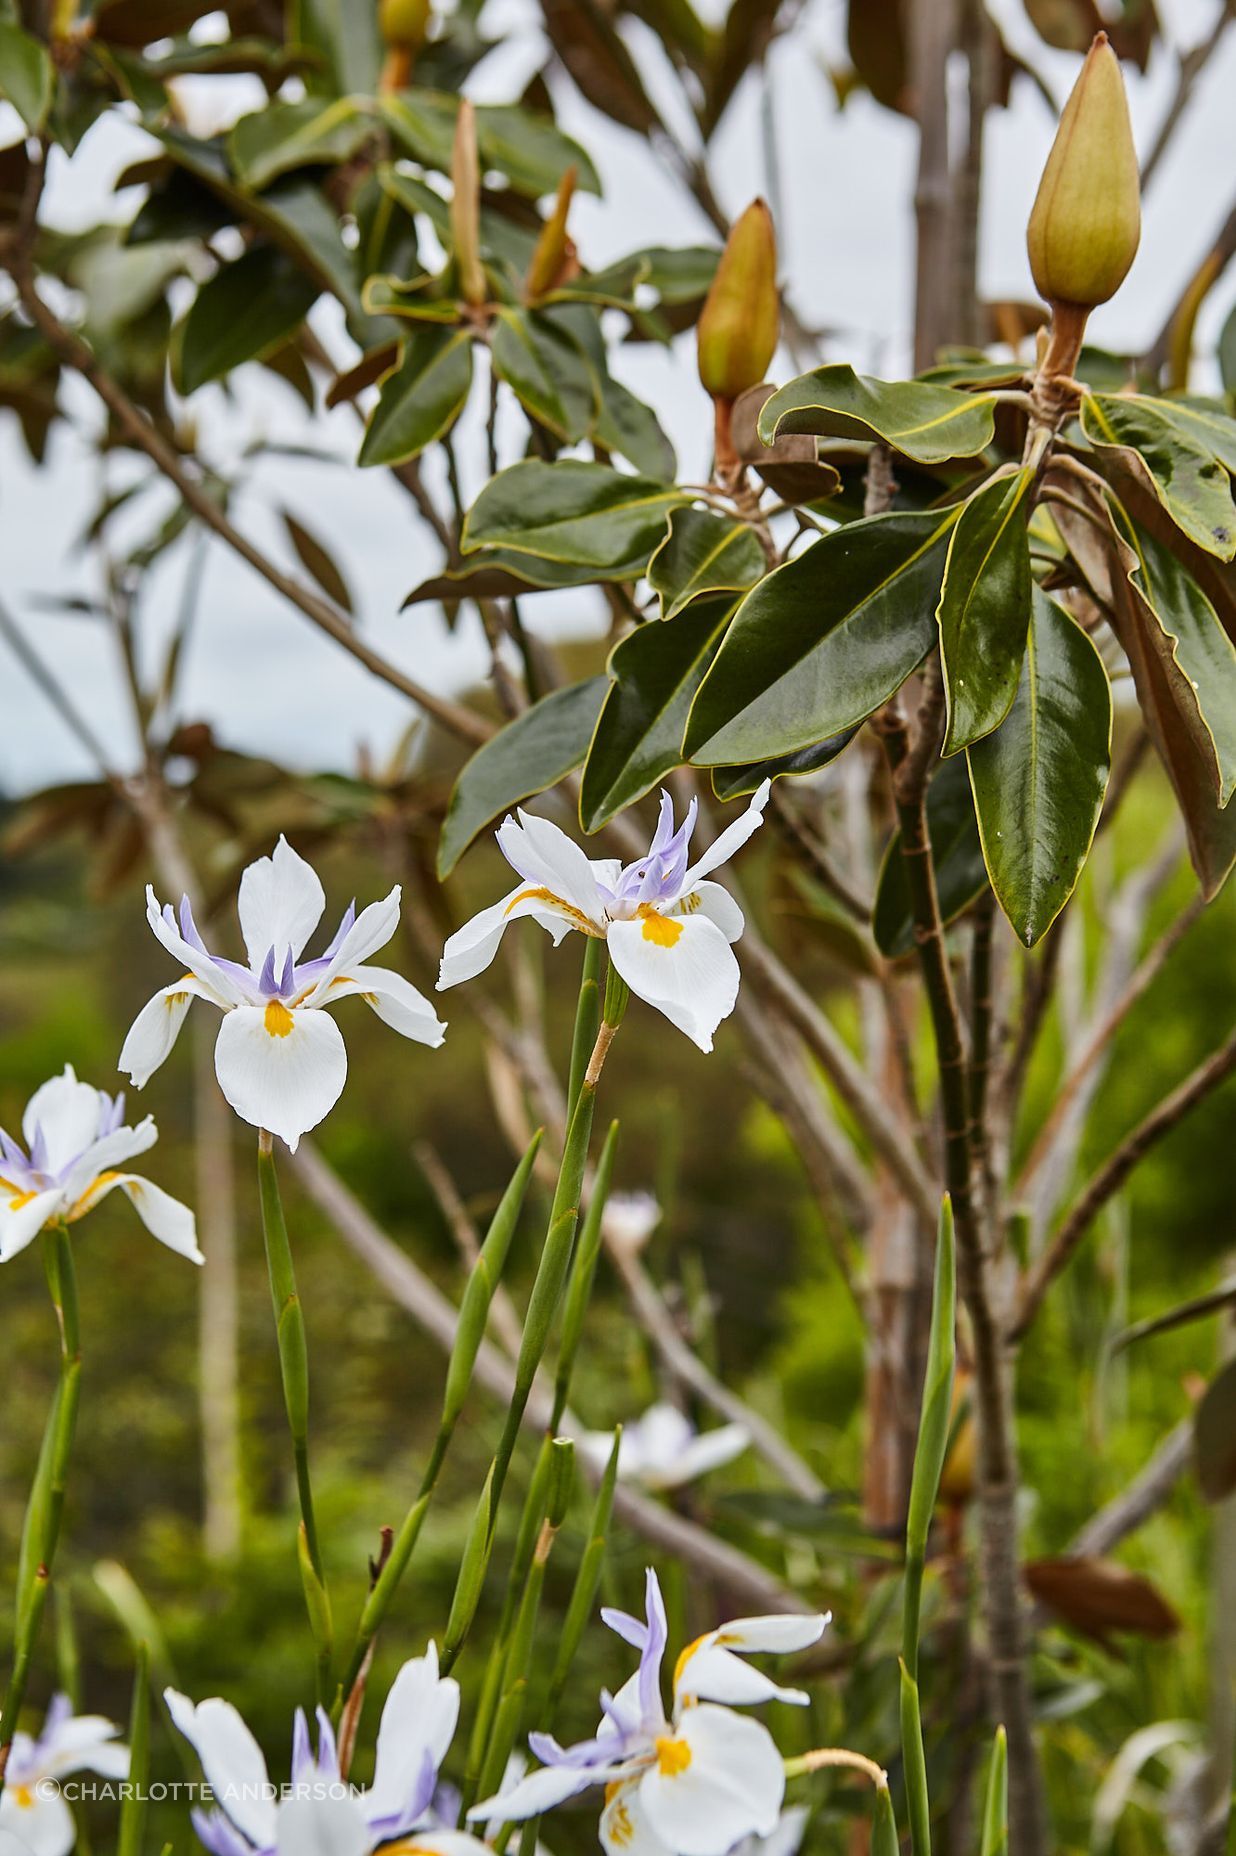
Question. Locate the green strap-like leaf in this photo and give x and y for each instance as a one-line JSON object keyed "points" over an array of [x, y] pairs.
{"points": [[996, 1801], [1039, 779], [927, 423], [1151, 438], [821, 642], [933, 1427], [579, 514], [703, 553], [532, 753], [984, 609], [422, 398], [655, 672], [243, 312], [956, 853]]}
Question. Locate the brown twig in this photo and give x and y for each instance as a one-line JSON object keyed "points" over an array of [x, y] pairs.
{"points": [[1112, 1174]]}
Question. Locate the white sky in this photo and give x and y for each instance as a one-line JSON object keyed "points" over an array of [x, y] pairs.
{"points": [[260, 672]]}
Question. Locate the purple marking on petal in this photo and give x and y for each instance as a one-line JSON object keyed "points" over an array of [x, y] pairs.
{"points": [[665, 826], [111, 1113], [188, 927], [268, 985], [216, 1834], [328, 1754], [287, 978], [530, 874], [344, 928], [59, 1710], [38, 1150], [650, 1660], [17, 1169], [302, 1752]]}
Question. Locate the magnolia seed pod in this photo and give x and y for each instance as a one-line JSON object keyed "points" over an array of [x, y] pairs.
{"points": [[1086, 223], [404, 24], [741, 318], [466, 208]]}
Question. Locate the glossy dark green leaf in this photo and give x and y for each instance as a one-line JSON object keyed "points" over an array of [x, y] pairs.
{"points": [[823, 641], [535, 751], [961, 875], [518, 358], [984, 610], [243, 312], [599, 406], [343, 41], [735, 782], [1039, 779], [282, 136], [579, 514], [414, 299], [529, 149], [422, 398], [1200, 648], [496, 574], [703, 553], [596, 56], [654, 676], [27, 77], [1207, 423], [927, 423], [1214, 1436], [1186, 476], [317, 560]]}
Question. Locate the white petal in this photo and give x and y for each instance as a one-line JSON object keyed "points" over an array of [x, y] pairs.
{"points": [[717, 904], [472, 947], [163, 1216], [787, 1836], [781, 1632], [219, 986], [692, 978], [280, 904], [660, 1436], [231, 1761], [418, 1719], [371, 930], [42, 1827], [23, 1216], [731, 1785], [625, 1829], [540, 1791], [708, 1450], [321, 1826], [281, 1070], [68, 1114], [731, 839], [86, 1742], [395, 1000], [711, 1673], [105, 1155], [547, 857], [156, 1028]]}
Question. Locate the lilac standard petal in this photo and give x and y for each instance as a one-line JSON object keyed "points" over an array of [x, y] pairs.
{"points": [[302, 1752], [665, 826], [654, 1649], [215, 1834], [188, 927], [39, 1161], [632, 1630], [341, 932], [328, 1752], [268, 985]]}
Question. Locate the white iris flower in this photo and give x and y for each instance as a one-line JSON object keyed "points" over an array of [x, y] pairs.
{"points": [[663, 1449], [33, 1815]]}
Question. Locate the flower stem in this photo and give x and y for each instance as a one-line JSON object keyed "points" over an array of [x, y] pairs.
{"points": [[41, 1529], [823, 1757], [294, 1370]]}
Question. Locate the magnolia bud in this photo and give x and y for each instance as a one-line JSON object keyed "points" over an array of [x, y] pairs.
{"points": [[466, 208], [1084, 230], [553, 260], [741, 317], [404, 26]]}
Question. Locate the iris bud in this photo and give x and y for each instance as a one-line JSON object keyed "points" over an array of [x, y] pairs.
{"points": [[1086, 223]]}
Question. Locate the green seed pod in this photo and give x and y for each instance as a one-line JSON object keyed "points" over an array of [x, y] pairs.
{"points": [[741, 318], [1086, 223]]}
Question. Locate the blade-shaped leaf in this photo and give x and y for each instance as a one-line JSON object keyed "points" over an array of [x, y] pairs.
{"points": [[984, 610], [1186, 477], [579, 514], [823, 641], [282, 136], [736, 782], [531, 753], [655, 674], [241, 313], [422, 398], [496, 574], [703, 553], [1039, 779], [27, 76], [996, 1799], [935, 1417], [1214, 1436], [318, 561], [927, 423], [956, 852]]}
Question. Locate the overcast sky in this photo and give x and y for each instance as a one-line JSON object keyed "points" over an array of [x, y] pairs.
{"points": [[259, 672]]}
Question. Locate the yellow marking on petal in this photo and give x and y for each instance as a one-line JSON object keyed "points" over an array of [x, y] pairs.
{"points": [[278, 1020], [673, 1757], [578, 918], [91, 1196], [687, 905], [621, 1829], [19, 1199], [23, 1797], [659, 929], [340, 979], [686, 1656]]}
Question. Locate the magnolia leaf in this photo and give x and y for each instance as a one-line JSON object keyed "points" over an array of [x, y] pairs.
{"points": [[518, 359], [413, 299], [927, 423], [655, 673], [243, 312], [497, 574], [703, 553], [599, 63], [27, 76], [956, 853], [575, 513], [529, 149], [736, 782], [822, 641], [984, 609], [535, 751], [318, 561], [790, 466], [626, 425], [1199, 647], [282, 136], [345, 40], [573, 347], [1214, 1436], [1039, 779], [1148, 439], [1207, 423], [1099, 1597], [422, 398]]}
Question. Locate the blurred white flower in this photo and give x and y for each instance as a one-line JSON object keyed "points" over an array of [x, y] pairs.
{"points": [[663, 1449], [33, 1815], [783, 1840], [668, 932], [76, 1142], [629, 1219], [280, 1058]]}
